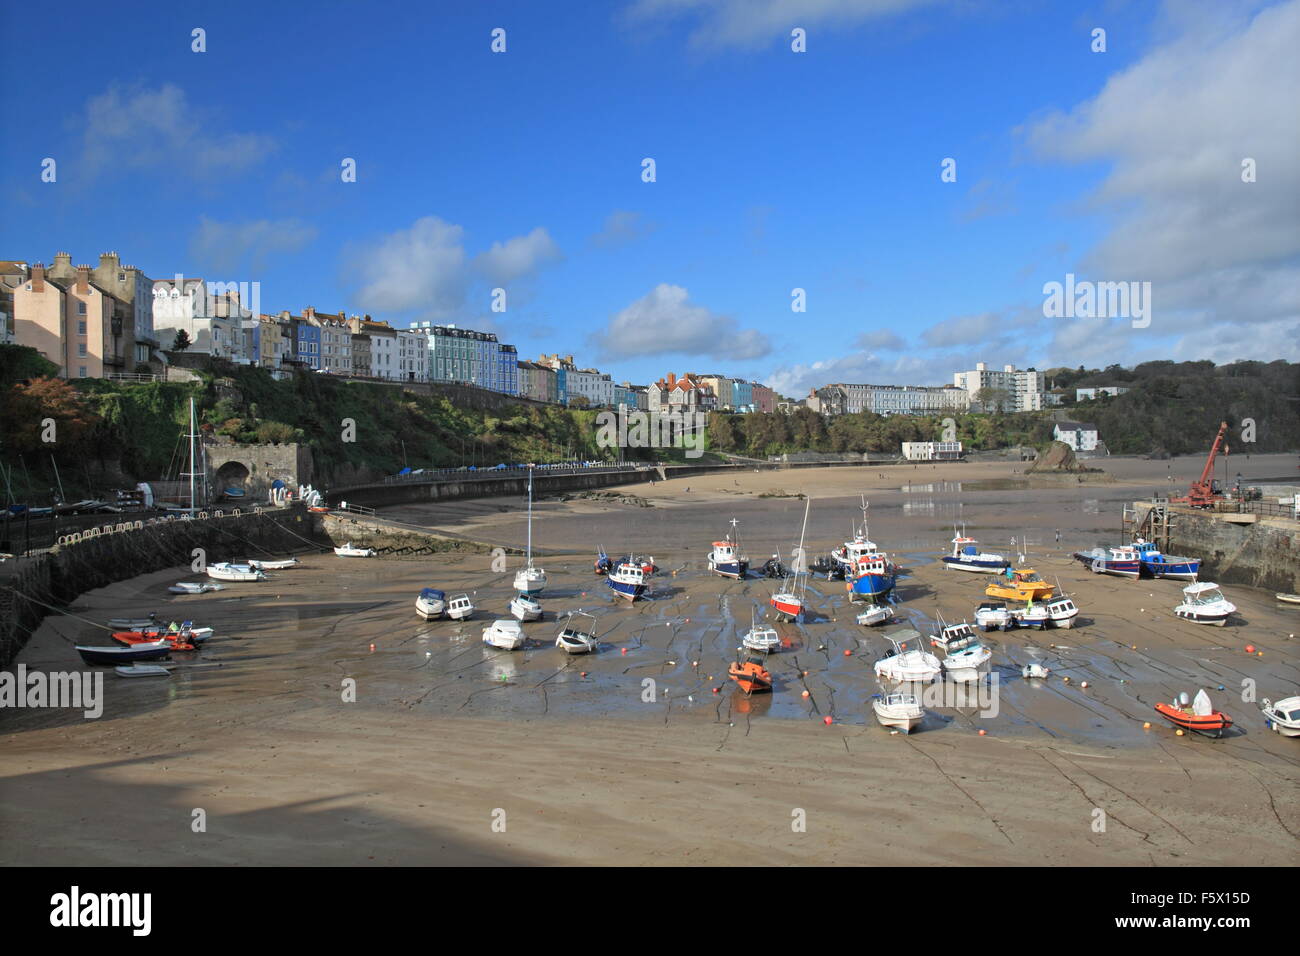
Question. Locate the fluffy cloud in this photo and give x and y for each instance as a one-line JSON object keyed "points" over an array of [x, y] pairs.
{"points": [[663, 322], [754, 23], [421, 269], [227, 247], [516, 258], [621, 228], [134, 127], [882, 339]]}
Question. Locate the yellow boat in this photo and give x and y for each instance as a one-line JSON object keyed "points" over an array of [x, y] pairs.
{"points": [[1025, 585]]}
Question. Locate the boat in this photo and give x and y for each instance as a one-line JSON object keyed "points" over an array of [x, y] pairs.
{"points": [[1061, 611], [225, 571], [1031, 615], [525, 607], [190, 587], [1160, 565], [760, 637], [1200, 716], [627, 580], [908, 666], [504, 633], [577, 637], [233, 492], [1023, 584], [963, 666], [1122, 562], [875, 614], [603, 564], [273, 565], [460, 608], [530, 579], [1288, 598], [902, 711], [726, 558], [1205, 604], [116, 654], [132, 623], [789, 601], [348, 551], [751, 675], [431, 603], [319, 509], [184, 633], [1284, 716], [870, 573], [967, 557], [142, 670], [953, 637], [993, 616]]}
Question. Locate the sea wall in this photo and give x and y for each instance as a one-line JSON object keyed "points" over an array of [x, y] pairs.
{"points": [[1264, 553]]}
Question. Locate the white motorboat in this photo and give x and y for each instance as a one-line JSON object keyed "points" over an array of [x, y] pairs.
{"points": [[460, 608], [903, 711], [967, 557], [190, 587], [1284, 716], [224, 571], [431, 603], [142, 670], [530, 580], [578, 636], [1205, 604], [760, 638], [525, 607], [953, 637], [1061, 611], [908, 665], [1031, 615], [964, 666], [273, 565], [349, 551], [993, 616], [876, 614], [504, 633]]}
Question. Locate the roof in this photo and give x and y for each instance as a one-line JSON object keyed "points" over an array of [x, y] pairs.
{"points": [[1076, 426]]}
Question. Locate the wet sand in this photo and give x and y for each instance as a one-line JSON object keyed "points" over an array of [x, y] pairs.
{"points": [[444, 730]]}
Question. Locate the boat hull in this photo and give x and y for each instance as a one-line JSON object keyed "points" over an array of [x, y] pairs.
{"points": [[1178, 570], [868, 587], [787, 607], [429, 609], [1215, 619], [1119, 567], [626, 589], [1210, 724], [119, 655], [526, 583], [978, 566], [729, 569], [751, 678], [897, 718]]}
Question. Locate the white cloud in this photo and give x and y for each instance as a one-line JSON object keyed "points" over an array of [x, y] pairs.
{"points": [[882, 339], [422, 269], [754, 23], [621, 228], [136, 127], [517, 258], [226, 247], [663, 322]]}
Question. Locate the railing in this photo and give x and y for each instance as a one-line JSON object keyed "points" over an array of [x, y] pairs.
{"points": [[512, 471], [132, 377]]}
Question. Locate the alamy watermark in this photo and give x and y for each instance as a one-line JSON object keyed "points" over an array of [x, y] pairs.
{"points": [[1098, 300], [78, 690]]}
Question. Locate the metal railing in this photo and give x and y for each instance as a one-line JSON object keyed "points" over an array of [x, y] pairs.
{"points": [[513, 471]]}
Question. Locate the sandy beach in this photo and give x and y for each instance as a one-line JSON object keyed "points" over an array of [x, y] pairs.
{"points": [[457, 753]]}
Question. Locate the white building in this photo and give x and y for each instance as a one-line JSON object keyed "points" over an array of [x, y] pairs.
{"points": [[214, 324], [412, 355], [1080, 436], [932, 450], [842, 399], [1090, 393], [1025, 389], [597, 387]]}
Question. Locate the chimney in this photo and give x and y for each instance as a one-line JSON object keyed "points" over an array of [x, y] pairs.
{"points": [[63, 259], [108, 260], [38, 277], [672, 379], [309, 313], [83, 280]]}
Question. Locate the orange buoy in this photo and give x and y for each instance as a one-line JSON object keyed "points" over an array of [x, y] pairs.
{"points": [[1146, 725], [716, 689], [1178, 733], [1084, 685], [827, 720], [625, 650], [372, 648], [847, 652], [983, 732], [583, 674], [804, 694], [1250, 648]]}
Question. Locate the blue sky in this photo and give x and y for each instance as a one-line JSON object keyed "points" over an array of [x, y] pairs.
{"points": [[775, 170]]}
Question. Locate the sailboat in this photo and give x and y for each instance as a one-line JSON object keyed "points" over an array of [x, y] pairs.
{"points": [[530, 580], [789, 602]]}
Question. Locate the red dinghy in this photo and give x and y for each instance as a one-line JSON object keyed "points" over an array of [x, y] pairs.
{"points": [[1200, 716], [177, 641], [752, 676]]}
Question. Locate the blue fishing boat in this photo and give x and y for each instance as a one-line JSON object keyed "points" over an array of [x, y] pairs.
{"points": [[873, 578], [1122, 562], [1160, 565], [726, 557], [627, 580]]}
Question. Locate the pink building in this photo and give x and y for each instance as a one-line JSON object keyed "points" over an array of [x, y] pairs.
{"points": [[73, 323]]}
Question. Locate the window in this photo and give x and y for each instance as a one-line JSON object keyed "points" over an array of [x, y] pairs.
{"points": [[81, 327], [81, 308], [81, 372], [81, 350]]}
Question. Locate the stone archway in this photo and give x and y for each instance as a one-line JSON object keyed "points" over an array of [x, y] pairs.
{"points": [[233, 474]]}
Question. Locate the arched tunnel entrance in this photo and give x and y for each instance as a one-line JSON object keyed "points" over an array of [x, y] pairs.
{"points": [[233, 474]]}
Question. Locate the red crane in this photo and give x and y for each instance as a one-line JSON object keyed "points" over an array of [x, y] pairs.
{"points": [[1204, 493]]}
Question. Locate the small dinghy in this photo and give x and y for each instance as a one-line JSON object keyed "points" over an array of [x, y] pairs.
{"points": [[273, 565], [751, 675], [225, 571], [1289, 598], [133, 623], [190, 587], [902, 711], [460, 608], [431, 603], [1061, 611], [142, 670], [578, 636], [1284, 716], [993, 616], [903, 666], [152, 651], [525, 607], [504, 633], [350, 551], [1036, 670], [876, 614], [319, 509], [1205, 604], [762, 639], [953, 637], [964, 666], [1200, 716]]}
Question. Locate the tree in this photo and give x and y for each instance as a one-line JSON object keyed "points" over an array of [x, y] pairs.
{"points": [[993, 399], [182, 341], [31, 407]]}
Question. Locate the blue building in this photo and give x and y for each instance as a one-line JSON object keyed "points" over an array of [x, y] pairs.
{"points": [[742, 395], [306, 343]]}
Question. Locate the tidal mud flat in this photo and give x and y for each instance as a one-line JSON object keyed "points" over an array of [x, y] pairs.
{"points": [[592, 764]]}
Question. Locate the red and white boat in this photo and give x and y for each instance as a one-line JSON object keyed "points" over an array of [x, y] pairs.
{"points": [[1200, 716], [789, 601]]}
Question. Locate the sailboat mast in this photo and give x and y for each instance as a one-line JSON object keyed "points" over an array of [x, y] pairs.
{"points": [[192, 463], [530, 517], [803, 560]]}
